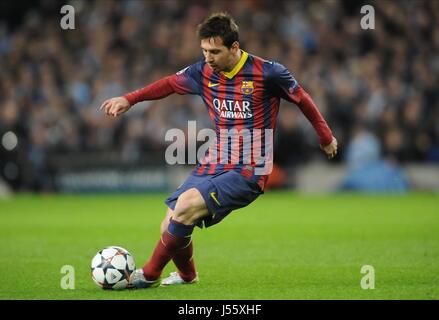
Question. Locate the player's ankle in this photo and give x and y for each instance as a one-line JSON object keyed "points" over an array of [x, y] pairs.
{"points": [[150, 275], [187, 277]]}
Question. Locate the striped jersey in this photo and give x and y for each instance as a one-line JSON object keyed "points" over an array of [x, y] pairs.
{"points": [[243, 105]]}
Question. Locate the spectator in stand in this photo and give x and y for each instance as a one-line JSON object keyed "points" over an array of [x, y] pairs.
{"points": [[56, 79]]}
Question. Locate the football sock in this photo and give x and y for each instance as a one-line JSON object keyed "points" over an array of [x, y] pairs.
{"points": [[182, 256], [184, 262], [176, 241]]}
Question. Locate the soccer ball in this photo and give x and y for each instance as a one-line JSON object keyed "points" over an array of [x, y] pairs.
{"points": [[111, 268]]}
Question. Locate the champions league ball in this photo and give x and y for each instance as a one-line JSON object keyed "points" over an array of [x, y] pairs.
{"points": [[111, 268]]}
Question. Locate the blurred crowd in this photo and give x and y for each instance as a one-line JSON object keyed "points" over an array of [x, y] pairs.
{"points": [[52, 81]]}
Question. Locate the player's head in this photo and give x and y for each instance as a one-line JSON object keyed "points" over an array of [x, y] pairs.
{"points": [[219, 41]]}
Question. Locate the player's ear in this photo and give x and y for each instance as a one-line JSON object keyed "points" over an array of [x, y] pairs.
{"points": [[235, 47]]}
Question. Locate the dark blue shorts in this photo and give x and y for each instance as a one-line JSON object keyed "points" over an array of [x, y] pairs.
{"points": [[223, 192]]}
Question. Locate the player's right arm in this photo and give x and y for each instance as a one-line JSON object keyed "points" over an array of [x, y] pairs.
{"points": [[185, 81]]}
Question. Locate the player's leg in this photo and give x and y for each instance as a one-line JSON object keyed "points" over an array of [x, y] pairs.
{"points": [[161, 255], [190, 207], [148, 276], [183, 258], [165, 223], [175, 241], [176, 238], [222, 194]]}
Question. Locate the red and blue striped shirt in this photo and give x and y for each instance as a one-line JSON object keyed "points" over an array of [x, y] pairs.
{"points": [[244, 100]]}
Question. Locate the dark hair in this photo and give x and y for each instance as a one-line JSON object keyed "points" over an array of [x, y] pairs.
{"points": [[219, 25]]}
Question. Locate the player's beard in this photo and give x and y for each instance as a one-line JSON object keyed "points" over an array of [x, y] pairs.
{"points": [[213, 67]]}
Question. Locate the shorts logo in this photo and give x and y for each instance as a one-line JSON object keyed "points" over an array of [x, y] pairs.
{"points": [[212, 194], [247, 87]]}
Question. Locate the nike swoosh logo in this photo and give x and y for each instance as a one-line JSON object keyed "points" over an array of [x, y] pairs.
{"points": [[212, 194], [210, 84]]}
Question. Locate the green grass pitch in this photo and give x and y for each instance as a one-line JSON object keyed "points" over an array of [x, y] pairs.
{"points": [[283, 246]]}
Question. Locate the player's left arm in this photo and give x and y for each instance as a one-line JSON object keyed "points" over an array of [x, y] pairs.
{"points": [[285, 86]]}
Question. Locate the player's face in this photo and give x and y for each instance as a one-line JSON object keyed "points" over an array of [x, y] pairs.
{"points": [[217, 55]]}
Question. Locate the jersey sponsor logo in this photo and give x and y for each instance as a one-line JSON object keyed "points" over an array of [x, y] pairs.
{"points": [[247, 87], [210, 84], [231, 109]]}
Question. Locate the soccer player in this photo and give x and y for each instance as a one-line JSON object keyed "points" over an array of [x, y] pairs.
{"points": [[240, 91]]}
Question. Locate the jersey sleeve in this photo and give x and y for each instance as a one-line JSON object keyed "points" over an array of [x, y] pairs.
{"points": [[187, 80], [281, 82]]}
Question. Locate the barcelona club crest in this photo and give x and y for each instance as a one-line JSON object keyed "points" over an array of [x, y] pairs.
{"points": [[247, 87]]}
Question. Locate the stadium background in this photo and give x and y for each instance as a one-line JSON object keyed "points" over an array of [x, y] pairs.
{"points": [[378, 89]]}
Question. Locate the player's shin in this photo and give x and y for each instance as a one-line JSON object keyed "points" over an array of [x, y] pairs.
{"points": [[184, 261], [182, 256], [160, 257], [174, 242]]}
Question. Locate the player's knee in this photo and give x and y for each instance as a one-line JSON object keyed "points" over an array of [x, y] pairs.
{"points": [[188, 199], [189, 207], [165, 223]]}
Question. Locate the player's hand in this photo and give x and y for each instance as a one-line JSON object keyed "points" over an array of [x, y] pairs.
{"points": [[330, 149], [115, 106]]}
